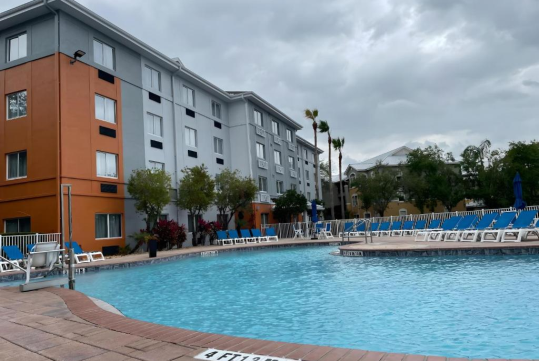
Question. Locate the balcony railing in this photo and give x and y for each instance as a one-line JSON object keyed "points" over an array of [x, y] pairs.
{"points": [[293, 173], [262, 197], [262, 164], [260, 131], [292, 147], [279, 169], [277, 140]]}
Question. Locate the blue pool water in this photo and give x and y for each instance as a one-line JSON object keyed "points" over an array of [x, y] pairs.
{"points": [[484, 307]]}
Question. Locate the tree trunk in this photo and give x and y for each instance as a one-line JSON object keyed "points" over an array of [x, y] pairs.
{"points": [[330, 181], [342, 191], [316, 190]]}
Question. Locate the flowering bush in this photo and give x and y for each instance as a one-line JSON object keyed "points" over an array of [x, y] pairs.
{"points": [[169, 234], [204, 229]]}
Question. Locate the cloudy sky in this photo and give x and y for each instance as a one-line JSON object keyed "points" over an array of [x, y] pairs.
{"points": [[384, 73]]}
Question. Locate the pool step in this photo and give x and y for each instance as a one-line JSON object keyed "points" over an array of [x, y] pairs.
{"points": [[52, 282]]}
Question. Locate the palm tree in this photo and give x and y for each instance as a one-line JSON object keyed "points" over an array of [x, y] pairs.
{"points": [[338, 145], [312, 114], [324, 128]]}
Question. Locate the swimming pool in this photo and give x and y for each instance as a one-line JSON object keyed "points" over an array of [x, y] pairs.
{"points": [[482, 307]]}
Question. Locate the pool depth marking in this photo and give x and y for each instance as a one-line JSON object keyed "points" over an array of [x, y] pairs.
{"points": [[212, 354], [209, 253]]}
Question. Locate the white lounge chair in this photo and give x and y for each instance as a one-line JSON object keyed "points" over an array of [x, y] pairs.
{"points": [[298, 232], [494, 234], [42, 255], [524, 224]]}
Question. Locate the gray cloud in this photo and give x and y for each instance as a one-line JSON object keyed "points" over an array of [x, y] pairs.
{"points": [[383, 73]]}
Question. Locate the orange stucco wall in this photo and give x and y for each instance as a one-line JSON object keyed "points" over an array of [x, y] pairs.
{"points": [[36, 195]]}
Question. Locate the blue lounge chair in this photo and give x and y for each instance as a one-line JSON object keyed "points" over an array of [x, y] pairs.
{"points": [[418, 227], [374, 227], [521, 227], [222, 238], [395, 226], [361, 228], [407, 226], [270, 234], [384, 228], [466, 223], [258, 235], [84, 257], [347, 229], [247, 236], [15, 257], [433, 227], [235, 237], [448, 225], [318, 229], [494, 234], [472, 235]]}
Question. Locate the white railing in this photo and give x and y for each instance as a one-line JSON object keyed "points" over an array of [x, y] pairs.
{"points": [[23, 240], [286, 230], [279, 169], [262, 164], [260, 131]]}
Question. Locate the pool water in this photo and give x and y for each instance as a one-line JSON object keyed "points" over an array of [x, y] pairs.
{"points": [[482, 307]]}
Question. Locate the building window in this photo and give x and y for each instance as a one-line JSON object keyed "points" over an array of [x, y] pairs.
{"points": [[188, 96], [105, 109], [275, 127], [155, 124], [258, 119], [103, 54], [17, 225], [107, 165], [294, 187], [289, 135], [403, 212], [153, 78], [192, 222], [277, 157], [354, 200], [260, 150], [291, 162], [216, 109], [16, 105], [218, 145], [264, 218], [306, 155], [108, 226], [280, 187], [262, 184], [299, 173], [17, 47], [156, 165], [16, 165], [163, 217], [190, 137], [309, 196], [367, 215], [307, 175]]}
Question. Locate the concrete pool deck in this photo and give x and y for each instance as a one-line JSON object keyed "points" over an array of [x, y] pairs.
{"points": [[59, 324]]}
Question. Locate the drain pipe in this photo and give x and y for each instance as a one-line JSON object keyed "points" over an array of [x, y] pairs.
{"points": [[175, 139], [46, 3]]}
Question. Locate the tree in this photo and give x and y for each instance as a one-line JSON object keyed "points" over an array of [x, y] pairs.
{"points": [[312, 115], [196, 192], [338, 144], [378, 189], [151, 190], [449, 186], [324, 128], [233, 193], [289, 204]]}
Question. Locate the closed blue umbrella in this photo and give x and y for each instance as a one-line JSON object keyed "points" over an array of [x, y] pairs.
{"points": [[314, 214], [517, 188]]}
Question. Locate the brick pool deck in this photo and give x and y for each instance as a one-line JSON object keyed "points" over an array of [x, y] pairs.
{"points": [[59, 324]]}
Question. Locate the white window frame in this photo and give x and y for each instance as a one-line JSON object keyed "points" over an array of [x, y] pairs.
{"points": [[307, 175], [107, 102], [280, 186], [18, 100], [150, 120], [153, 164], [289, 135], [275, 127], [291, 162], [277, 157], [102, 60], [262, 180], [258, 120], [151, 73], [106, 158], [189, 132], [309, 196], [17, 37], [186, 99], [218, 142], [306, 154], [216, 109], [108, 225], [18, 170], [260, 146]]}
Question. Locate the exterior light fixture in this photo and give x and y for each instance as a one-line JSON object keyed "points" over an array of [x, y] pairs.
{"points": [[78, 54]]}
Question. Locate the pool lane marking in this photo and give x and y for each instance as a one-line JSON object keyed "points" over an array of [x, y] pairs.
{"points": [[212, 354]]}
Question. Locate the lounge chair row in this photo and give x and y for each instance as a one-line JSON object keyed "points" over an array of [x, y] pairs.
{"points": [[17, 258], [232, 237]]}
